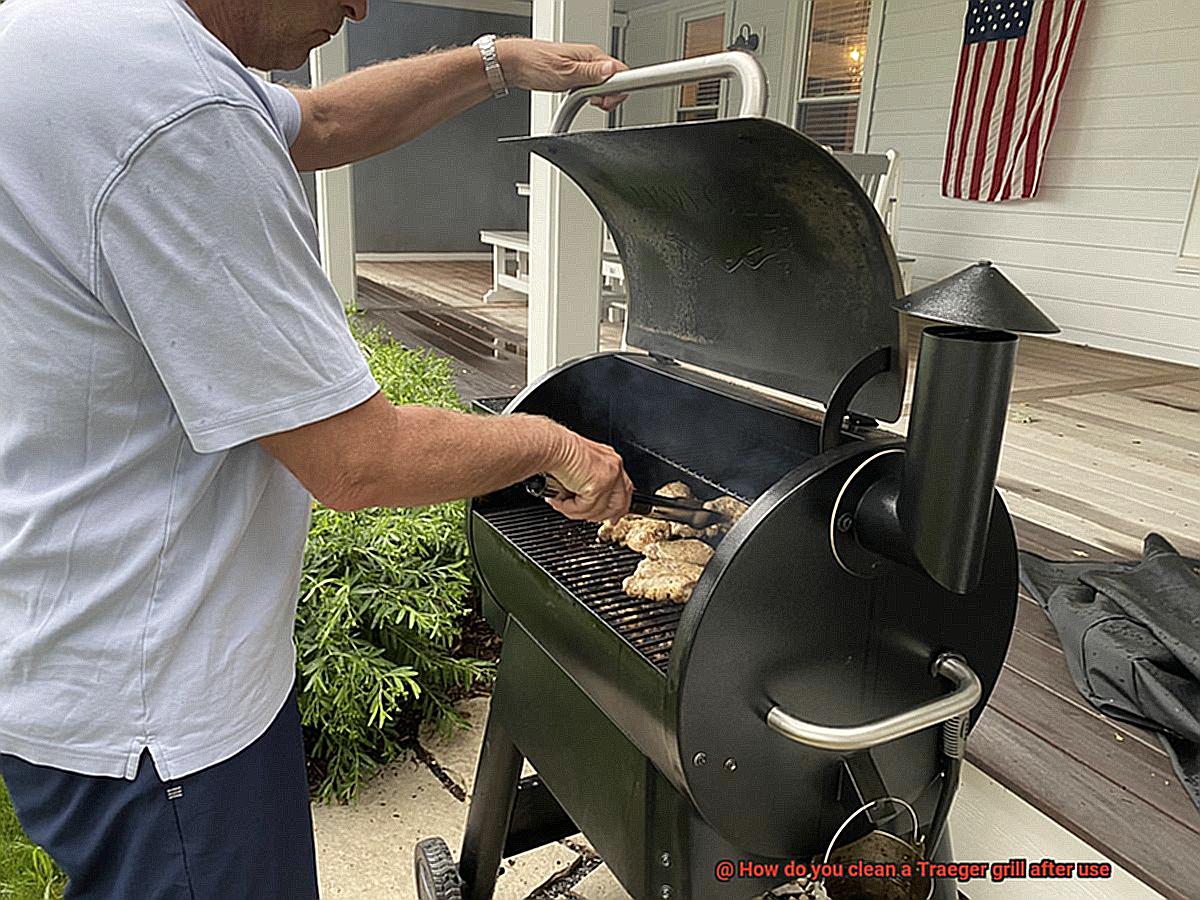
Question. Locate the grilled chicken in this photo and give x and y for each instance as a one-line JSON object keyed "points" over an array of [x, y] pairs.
{"points": [[688, 550], [683, 530], [662, 580], [727, 506], [623, 529], [672, 567], [646, 532], [614, 532], [676, 490], [635, 532]]}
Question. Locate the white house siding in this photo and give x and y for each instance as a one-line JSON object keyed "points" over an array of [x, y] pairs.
{"points": [[1097, 248]]}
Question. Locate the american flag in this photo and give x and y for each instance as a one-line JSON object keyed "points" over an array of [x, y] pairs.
{"points": [[1011, 70]]}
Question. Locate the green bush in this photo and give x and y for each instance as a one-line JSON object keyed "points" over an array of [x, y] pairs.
{"points": [[26, 871], [382, 599]]}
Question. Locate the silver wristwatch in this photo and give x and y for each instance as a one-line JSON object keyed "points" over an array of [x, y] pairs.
{"points": [[491, 65]]}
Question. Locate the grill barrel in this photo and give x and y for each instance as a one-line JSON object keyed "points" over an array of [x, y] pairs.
{"points": [[762, 628]]}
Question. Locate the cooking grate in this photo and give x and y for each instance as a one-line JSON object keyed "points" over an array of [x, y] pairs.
{"points": [[591, 572]]}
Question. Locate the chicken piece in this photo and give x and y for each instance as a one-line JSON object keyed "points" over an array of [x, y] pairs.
{"points": [[654, 567], [668, 587], [713, 533], [646, 532], [683, 530], [676, 490], [615, 532], [635, 532], [727, 506], [688, 550], [606, 534], [662, 580]]}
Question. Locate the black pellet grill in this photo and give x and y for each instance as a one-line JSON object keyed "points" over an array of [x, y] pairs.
{"points": [[849, 627]]}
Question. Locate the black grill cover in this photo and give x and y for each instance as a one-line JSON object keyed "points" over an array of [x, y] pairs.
{"points": [[1131, 636], [748, 250]]}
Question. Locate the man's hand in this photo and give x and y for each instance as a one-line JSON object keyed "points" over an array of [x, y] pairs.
{"points": [[544, 66], [596, 477]]}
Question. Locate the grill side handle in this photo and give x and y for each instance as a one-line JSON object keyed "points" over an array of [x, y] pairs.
{"points": [[730, 64], [967, 692]]}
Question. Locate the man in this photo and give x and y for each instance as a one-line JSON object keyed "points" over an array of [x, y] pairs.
{"points": [[178, 383]]}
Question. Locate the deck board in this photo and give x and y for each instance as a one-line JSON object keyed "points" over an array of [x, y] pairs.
{"points": [[475, 375], [1128, 764], [1149, 473], [1100, 448], [1117, 822], [463, 285], [1183, 396], [1120, 411]]}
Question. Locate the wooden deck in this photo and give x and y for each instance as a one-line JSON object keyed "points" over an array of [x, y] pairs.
{"points": [[460, 286], [1100, 449]]}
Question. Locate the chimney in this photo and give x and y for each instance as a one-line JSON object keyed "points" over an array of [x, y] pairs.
{"points": [[937, 517]]}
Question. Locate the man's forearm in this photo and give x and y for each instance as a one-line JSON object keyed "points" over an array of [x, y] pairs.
{"points": [[377, 454], [380, 107], [424, 456], [375, 109]]}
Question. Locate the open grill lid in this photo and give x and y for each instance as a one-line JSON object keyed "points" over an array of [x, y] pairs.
{"points": [[748, 250]]}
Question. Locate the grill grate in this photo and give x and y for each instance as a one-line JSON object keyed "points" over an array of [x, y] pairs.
{"points": [[592, 572]]}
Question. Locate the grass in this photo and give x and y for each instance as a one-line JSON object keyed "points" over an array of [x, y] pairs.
{"points": [[26, 871]]}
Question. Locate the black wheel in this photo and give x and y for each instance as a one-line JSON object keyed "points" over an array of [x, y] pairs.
{"points": [[437, 875]]}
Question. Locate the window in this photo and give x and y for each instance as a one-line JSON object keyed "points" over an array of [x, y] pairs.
{"points": [[834, 57], [701, 100]]}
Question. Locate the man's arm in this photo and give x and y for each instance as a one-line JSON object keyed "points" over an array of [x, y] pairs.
{"points": [[377, 454], [380, 107]]}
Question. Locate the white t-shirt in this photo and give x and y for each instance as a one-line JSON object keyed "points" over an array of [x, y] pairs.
{"points": [[161, 306]]}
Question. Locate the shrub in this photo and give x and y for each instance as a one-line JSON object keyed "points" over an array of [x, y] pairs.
{"points": [[383, 596], [26, 871]]}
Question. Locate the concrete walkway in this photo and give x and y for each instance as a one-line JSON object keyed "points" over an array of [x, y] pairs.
{"points": [[365, 850]]}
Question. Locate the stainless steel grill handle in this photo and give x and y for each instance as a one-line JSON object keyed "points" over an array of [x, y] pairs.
{"points": [[731, 64], [967, 692]]}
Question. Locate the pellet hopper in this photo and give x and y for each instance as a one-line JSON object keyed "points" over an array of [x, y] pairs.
{"points": [[850, 626]]}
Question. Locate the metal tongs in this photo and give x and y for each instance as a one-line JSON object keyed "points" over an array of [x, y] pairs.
{"points": [[652, 506]]}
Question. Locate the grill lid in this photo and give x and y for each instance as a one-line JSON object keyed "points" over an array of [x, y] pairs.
{"points": [[748, 250]]}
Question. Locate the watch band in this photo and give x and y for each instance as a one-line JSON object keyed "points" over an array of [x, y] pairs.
{"points": [[491, 65]]}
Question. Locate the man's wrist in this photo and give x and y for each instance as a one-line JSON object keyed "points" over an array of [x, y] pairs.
{"points": [[492, 67], [550, 441], [508, 52]]}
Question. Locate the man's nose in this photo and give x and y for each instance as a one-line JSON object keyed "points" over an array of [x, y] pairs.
{"points": [[357, 10]]}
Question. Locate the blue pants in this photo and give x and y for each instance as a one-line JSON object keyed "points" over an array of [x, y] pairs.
{"points": [[240, 829]]}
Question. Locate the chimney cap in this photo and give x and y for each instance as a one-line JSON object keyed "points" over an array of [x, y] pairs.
{"points": [[979, 296]]}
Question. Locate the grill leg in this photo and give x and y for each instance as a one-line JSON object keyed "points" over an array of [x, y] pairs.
{"points": [[491, 807], [944, 888]]}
